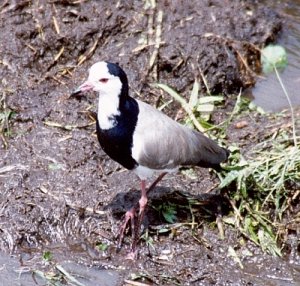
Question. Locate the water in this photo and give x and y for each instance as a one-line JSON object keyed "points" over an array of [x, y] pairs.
{"points": [[268, 93], [13, 274]]}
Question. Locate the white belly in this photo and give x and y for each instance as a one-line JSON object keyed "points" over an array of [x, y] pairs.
{"points": [[145, 173]]}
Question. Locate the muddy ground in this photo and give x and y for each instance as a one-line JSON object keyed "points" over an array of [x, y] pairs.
{"points": [[60, 192]]}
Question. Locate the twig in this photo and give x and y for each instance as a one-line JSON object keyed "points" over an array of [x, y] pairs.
{"points": [[70, 277], [290, 105], [83, 58], [59, 54], [135, 283], [204, 81], [10, 168], [219, 223], [157, 43], [56, 26]]}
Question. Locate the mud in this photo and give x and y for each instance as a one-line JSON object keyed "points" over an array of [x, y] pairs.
{"points": [[60, 192]]}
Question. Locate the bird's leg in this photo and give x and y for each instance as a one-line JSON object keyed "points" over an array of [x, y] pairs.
{"points": [[130, 215], [156, 182], [136, 232], [142, 203]]}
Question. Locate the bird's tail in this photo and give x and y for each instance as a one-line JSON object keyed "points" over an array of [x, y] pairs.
{"points": [[213, 157]]}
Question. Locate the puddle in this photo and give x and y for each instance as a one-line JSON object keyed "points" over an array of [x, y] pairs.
{"points": [[268, 93], [12, 273], [91, 276]]}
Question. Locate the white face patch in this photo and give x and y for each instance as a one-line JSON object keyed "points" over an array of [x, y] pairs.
{"points": [[109, 88]]}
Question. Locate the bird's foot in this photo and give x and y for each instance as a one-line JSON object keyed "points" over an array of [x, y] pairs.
{"points": [[132, 255], [135, 230], [129, 216], [136, 235], [138, 226]]}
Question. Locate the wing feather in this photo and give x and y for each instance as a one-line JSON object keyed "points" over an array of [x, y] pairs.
{"points": [[161, 143]]}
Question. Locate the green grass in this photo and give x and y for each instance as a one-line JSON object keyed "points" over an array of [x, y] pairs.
{"points": [[261, 187], [260, 184], [199, 108]]}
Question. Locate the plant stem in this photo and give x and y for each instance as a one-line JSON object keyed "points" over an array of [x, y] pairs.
{"points": [[290, 105]]}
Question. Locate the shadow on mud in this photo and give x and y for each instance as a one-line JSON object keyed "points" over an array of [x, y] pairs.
{"points": [[171, 206]]}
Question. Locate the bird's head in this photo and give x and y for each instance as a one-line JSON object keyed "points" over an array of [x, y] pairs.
{"points": [[105, 78]]}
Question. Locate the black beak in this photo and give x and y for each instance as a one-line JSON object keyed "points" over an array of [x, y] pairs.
{"points": [[76, 93]]}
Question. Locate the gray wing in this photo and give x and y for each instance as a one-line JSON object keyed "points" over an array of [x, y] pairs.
{"points": [[161, 143]]}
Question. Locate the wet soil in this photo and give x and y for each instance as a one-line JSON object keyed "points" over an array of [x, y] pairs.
{"points": [[60, 192]]}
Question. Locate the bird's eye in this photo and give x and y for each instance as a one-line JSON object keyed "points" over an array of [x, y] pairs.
{"points": [[103, 80]]}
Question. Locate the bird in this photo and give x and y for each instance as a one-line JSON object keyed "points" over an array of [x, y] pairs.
{"points": [[143, 139]]}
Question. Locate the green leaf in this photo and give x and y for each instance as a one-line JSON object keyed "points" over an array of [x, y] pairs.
{"points": [[183, 103], [205, 108], [242, 187], [102, 246], [210, 99], [47, 256], [6, 116], [163, 230], [173, 93], [252, 106], [249, 226], [205, 124], [194, 95], [268, 242], [169, 213], [206, 105], [229, 220], [231, 176], [273, 56]]}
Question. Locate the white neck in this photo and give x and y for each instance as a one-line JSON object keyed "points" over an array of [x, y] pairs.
{"points": [[108, 108]]}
